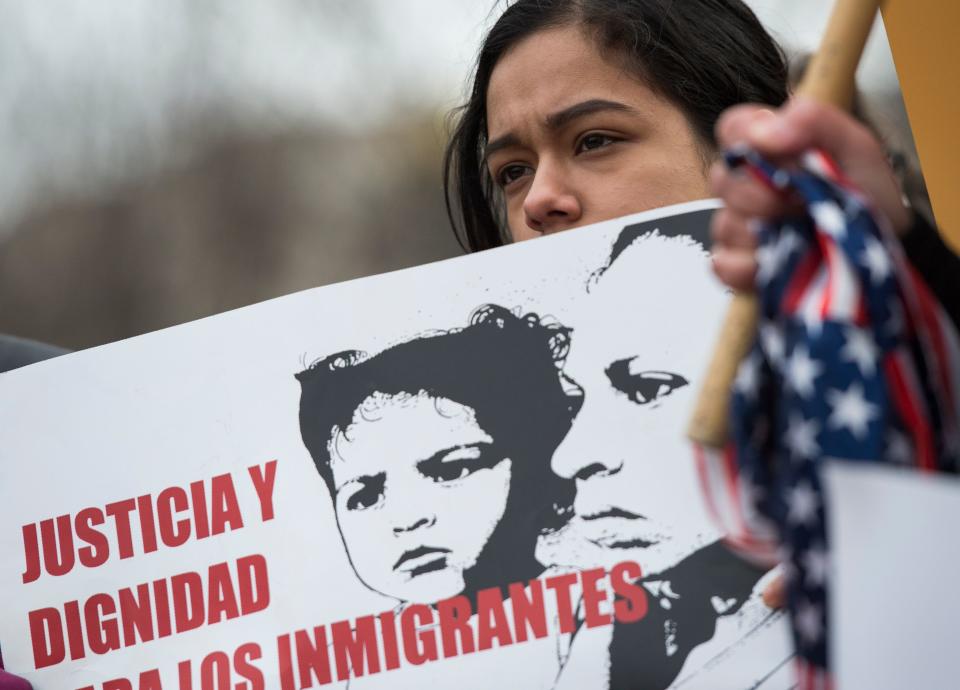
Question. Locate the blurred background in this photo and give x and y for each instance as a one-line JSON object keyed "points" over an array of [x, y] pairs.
{"points": [[164, 161]]}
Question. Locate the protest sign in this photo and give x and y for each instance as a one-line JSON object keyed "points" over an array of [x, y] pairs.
{"points": [[886, 515], [469, 474]]}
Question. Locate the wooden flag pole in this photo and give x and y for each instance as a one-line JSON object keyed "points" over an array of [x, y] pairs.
{"points": [[830, 78]]}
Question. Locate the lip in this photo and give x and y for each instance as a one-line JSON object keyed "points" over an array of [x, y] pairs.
{"points": [[414, 561], [623, 542], [612, 512], [616, 528]]}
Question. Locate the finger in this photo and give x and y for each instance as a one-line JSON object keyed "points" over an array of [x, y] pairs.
{"points": [[775, 593], [803, 124], [731, 230], [746, 195], [733, 124], [735, 267]]}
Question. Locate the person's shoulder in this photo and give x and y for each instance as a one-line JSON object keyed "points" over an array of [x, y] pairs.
{"points": [[10, 682], [19, 352]]}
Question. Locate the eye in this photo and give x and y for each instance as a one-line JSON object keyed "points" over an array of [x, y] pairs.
{"points": [[593, 141], [458, 463], [643, 387], [365, 492], [512, 172]]}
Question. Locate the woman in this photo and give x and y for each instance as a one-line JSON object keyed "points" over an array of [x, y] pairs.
{"points": [[438, 487], [585, 110]]}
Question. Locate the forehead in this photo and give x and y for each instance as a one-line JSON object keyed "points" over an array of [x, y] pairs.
{"points": [[658, 299], [552, 69], [400, 430]]}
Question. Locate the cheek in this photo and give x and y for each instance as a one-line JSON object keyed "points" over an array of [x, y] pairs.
{"points": [[475, 507], [362, 531], [646, 190], [519, 230], [664, 425], [667, 461], [649, 178]]}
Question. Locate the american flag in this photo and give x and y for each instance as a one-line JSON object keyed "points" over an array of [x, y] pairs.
{"points": [[854, 360]]}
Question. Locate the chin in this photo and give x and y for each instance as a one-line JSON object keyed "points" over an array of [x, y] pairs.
{"points": [[654, 559], [658, 559], [662, 557], [429, 587]]}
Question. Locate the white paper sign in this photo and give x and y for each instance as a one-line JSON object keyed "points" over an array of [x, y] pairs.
{"points": [[470, 474], [894, 606]]}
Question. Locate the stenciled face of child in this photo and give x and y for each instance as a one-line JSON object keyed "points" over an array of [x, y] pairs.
{"points": [[574, 138], [419, 489]]}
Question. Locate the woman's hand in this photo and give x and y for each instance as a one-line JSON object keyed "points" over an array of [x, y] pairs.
{"points": [[781, 135], [8, 682]]}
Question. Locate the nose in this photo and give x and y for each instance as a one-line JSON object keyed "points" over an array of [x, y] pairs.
{"points": [[421, 523], [577, 456], [551, 203]]}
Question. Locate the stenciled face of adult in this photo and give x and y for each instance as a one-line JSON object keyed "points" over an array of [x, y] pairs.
{"points": [[419, 489], [575, 138], [639, 348]]}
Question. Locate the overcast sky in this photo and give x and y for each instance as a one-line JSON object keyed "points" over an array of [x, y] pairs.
{"points": [[94, 92]]}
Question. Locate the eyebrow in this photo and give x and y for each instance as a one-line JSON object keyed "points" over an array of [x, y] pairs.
{"points": [[446, 451], [562, 118], [379, 476], [433, 458]]}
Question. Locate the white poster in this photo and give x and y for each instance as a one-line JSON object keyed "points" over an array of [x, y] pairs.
{"points": [[470, 474], [891, 560]]}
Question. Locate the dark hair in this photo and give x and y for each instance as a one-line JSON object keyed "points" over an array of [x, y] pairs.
{"points": [[702, 55], [503, 366]]}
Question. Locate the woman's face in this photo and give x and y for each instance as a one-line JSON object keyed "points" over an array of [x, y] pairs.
{"points": [[575, 139], [638, 496], [419, 488]]}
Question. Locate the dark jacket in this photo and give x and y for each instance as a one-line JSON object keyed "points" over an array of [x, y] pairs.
{"points": [[19, 352]]}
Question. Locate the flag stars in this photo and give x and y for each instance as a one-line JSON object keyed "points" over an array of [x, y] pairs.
{"points": [[787, 243], [789, 571], [809, 622], [780, 179], [768, 263], [851, 410], [876, 261], [748, 374], [829, 218], [801, 436], [803, 503], [861, 349], [816, 563], [802, 371], [853, 206], [772, 341], [811, 318]]}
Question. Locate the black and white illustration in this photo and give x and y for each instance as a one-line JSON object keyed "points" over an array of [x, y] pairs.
{"points": [[492, 453], [486, 471]]}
